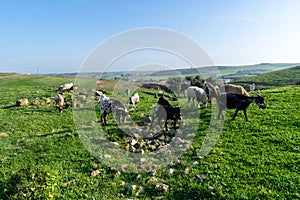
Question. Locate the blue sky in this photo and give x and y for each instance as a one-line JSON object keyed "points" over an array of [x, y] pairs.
{"points": [[58, 35]]}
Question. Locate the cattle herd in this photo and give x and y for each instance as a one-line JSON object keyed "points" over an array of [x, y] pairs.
{"points": [[227, 96]]}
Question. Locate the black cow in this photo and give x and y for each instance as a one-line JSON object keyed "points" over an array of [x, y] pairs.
{"points": [[238, 102], [163, 102], [165, 111]]}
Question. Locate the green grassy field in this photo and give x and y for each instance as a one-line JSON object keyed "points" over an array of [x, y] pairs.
{"points": [[273, 79], [42, 156]]}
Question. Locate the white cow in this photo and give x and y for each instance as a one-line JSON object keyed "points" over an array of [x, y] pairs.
{"points": [[194, 92]]}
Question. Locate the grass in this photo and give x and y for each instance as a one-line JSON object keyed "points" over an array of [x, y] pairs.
{"points": [[43, 157], [273, 79]]}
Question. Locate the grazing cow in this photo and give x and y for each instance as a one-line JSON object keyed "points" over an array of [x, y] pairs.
{"points": [[59, 101], [211, 91], [235, 89], [127, 91], [238, 102], [165, 113], [134, 99], [114, 106], [163, 102], [119, 110], [194, 92]]}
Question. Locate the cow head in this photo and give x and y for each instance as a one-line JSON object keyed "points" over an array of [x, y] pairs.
{"points": [[260, 101]]}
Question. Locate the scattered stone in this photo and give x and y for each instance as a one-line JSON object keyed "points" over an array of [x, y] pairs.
{"points": [[113, 144], [140, 191], [95, 173], [162, 186], [123, 183], [195, 163], [124, 166], [210, 188], [199, 177], [186, 170], [152, 179], [92, 123], [36, 102], [22, 102], [170, 171], [68, 182], [142, 160], [107, 156], [3, 134], [153, 172], [48, 100], [132, 188]]}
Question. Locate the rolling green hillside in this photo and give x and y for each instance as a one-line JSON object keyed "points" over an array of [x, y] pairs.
{"points": [[273, 79], [43, 157]]}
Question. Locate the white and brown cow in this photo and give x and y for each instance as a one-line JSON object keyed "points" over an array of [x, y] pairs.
{"points": [[59, 101]]}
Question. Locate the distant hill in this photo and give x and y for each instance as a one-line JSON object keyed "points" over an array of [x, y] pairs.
{"points": [[227, 72], [283, 77]]}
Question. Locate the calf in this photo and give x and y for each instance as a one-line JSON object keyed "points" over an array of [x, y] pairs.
{"points": [[114, 106], [134, 99], [194, 92], [211, 91], [238, 102], [127, 91], [165, 111], [59, 101]]}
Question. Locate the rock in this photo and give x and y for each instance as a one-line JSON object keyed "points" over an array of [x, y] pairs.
{"points": [[36, 102], [92, 123], [140, 191], [142, 160], [95, 173], [133, 142], [186, 170], [68, 182], [153, 172], [48, 100], [107, 156], [132, 188], [22, 102], [3, 134], [170, 171], [162, 186], [113, 144], [152, 179]]}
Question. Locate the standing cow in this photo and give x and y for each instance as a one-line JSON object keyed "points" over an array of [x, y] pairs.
{"points": [[194, 92], [235, 89], [59, 101], [238, 102], [164, 111]]}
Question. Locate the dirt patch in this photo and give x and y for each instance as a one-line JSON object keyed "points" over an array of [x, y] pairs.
{"points": [[12, 75]]}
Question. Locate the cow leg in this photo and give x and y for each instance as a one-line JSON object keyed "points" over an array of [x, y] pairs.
{"points": [[245, 113], [235, 114]]}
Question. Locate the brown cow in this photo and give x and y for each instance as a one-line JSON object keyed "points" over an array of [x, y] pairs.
{"points": [[235, 89]]}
